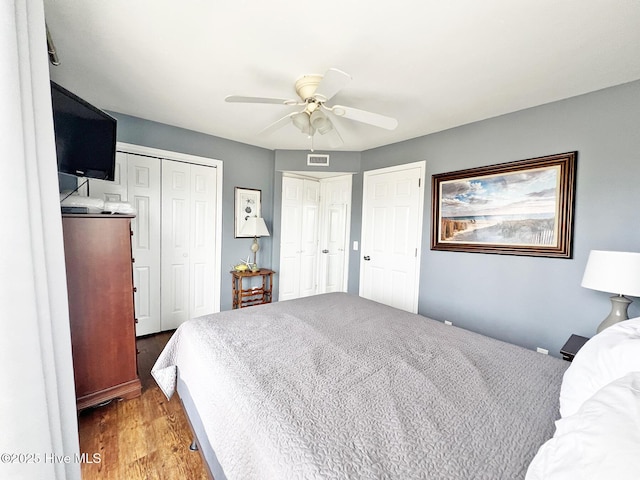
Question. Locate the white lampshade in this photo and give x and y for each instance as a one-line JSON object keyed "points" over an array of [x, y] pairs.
{"points": [[613, 272], [303, 123], [320, 122], [255, 227]]}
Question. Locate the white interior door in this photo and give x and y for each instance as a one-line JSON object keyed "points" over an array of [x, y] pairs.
{"points": [[290, 228], [137, 181], [299, 238], [188, 239], [176, 185], [332, 257], [314, 235], [391, 235], [203, 209], [110, 191], [334, 227], [194, 186], [143, 186], [309, 238]]}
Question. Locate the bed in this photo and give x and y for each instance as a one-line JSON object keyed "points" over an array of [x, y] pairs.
{"points": [[335, 386]]}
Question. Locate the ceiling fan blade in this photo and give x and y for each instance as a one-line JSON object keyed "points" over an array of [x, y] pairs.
{"points": [[332, 82], [365, 117], [276, 101], [277, 124], [335, 140]]}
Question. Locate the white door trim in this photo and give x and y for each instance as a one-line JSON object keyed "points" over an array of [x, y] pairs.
{"points": [[187, 158], [422, 165]]}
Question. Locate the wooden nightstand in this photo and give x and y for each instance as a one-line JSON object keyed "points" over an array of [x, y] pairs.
{"points": [[246, 297], [575, 343]]}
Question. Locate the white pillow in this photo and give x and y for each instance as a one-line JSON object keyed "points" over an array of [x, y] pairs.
{"points": [[609, 355], [601, 441]]}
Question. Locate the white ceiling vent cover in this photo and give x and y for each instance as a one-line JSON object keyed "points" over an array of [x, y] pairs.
{"points": [[317, 160]]}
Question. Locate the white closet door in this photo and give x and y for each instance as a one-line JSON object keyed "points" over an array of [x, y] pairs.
{"points": [[176, 186], [188, 241], [137, 181], [174, 242], [290, 249], [110, 191], [143, 185], [332, 258], [309, 238], [335, 209], [202, 206]]}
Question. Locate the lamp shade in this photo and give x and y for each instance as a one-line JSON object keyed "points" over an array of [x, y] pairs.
{"points": [[303, 123], [320, 122], [613, 272], [255, 227]]}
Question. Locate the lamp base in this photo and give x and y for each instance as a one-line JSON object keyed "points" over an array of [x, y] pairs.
{"points": [[254, 248], [619, 306]]}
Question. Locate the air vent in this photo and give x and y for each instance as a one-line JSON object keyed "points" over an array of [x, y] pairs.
{"points": [[318, 160]]}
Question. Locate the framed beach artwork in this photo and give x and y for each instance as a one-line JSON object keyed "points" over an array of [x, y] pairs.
{"points": [[516, 208], [247, 204]]}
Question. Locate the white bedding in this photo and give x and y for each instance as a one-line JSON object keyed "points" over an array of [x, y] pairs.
{"points": [[335, 386], [600, 441]]}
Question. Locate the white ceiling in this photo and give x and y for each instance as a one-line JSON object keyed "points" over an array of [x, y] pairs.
{"points": [[432, 64]]}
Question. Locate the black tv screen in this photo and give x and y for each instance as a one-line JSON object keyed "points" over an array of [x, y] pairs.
{"points": [[85, 136]]}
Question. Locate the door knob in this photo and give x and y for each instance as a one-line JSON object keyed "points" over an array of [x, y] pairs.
{"points": [[367, 258], [325, 251]]}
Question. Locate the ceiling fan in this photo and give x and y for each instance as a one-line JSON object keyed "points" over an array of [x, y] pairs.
{"points": [[314, 91]]}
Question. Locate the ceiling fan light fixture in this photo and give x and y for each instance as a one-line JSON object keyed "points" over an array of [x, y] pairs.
{"points": [[302, 122], [320, 122]]}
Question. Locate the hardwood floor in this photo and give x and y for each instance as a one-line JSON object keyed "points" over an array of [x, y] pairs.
{"points": [[143, 438]]}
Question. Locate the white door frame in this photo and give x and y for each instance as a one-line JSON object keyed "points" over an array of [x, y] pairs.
{"points": [[187, 158], [422, 165]]}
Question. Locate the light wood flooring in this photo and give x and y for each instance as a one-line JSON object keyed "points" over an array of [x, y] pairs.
{"points": [[143, 438]]}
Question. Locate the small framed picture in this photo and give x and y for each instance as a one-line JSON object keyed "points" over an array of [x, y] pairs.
{"points": [[247, 204]]}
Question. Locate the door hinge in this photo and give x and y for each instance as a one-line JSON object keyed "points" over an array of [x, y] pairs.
{"points": [[416, 253], [419, 182]]}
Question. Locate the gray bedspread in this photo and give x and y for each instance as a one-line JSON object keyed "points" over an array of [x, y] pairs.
{"points": [[338, 387]]}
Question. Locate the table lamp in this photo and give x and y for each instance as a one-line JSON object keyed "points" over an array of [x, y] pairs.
{"points": [[255, 227], [613, 272]]}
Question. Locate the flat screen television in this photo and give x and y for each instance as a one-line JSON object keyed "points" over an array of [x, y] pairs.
{"points": [[85, 136]]}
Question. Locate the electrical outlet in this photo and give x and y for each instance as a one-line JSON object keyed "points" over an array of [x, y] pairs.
{"points": [[447, 322], [542, 350]]}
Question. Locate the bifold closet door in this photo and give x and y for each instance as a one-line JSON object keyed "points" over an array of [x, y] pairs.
{"points": [[137, 181], [290, 249], [299, 241], [188, 240], [335, 194], [309, 238], [143, 186]]}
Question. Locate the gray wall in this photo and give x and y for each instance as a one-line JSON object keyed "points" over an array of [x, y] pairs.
{"points": [[526, 300], [243, 166]]}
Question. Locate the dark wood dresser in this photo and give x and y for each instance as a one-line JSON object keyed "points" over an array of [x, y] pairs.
{"points": [[101, 312]]}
